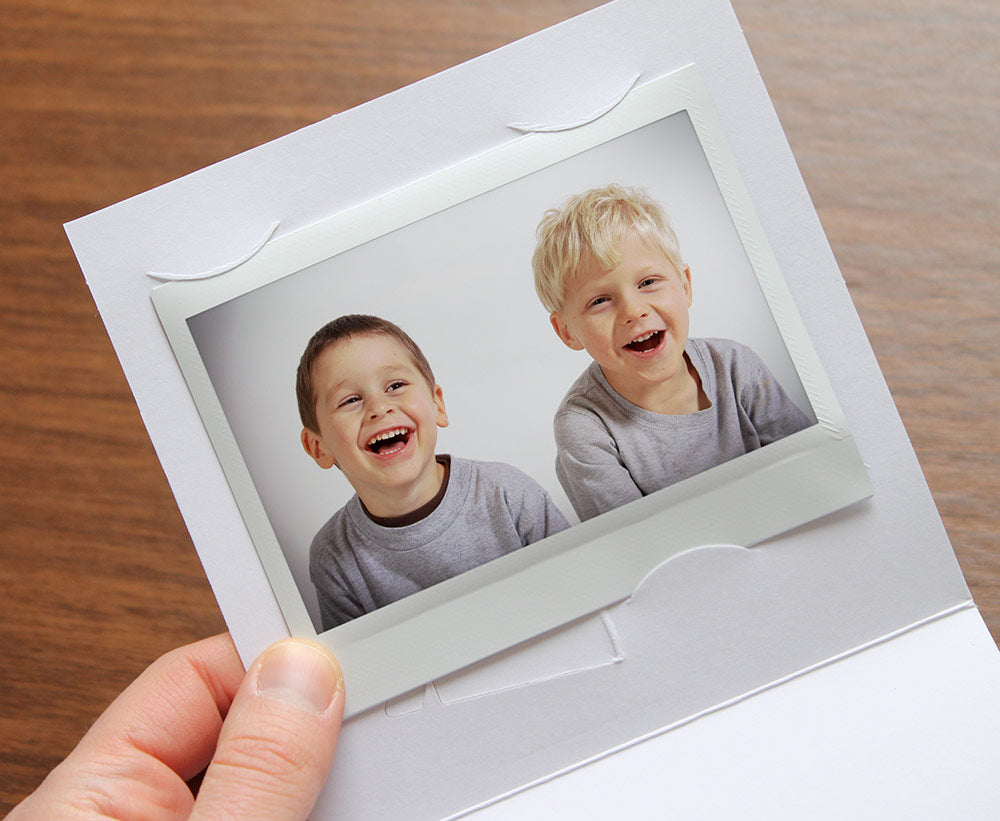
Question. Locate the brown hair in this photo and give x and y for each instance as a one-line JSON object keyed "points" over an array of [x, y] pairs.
{"points": [[591, 227], [340, 330]]}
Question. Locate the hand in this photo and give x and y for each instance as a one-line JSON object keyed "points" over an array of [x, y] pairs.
{"points": [[267, 739]]}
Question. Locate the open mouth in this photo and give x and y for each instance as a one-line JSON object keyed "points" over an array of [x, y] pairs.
{"points": [[389, 441], [646, 342]]}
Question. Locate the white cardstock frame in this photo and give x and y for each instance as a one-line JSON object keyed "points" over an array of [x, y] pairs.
{"points": [[593, 564]]}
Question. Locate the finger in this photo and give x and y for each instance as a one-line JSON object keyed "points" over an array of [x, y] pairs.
{"points": [[160, 732], [277, 743], [175, 709]]}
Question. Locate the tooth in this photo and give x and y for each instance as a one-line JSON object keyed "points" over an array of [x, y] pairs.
{"points": [[379, 437]]}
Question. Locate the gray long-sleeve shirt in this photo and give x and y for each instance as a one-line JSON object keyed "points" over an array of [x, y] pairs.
{"points": [[489, 509], [610, 451]]}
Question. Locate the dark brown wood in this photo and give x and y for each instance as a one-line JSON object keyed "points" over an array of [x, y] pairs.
{"points": [[892, 112]]}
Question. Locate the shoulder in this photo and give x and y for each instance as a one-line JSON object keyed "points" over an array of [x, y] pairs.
{"points": [[493, 474], [331, 538], [728, 358], [722, 350], [587, 405], [506, 494], [586, 391], [496, 485]]}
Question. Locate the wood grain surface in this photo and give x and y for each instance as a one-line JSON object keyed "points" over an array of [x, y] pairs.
{"points": [[892, 110]]}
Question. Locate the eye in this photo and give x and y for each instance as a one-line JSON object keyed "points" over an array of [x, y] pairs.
{"points": [[648, 281], [347, 401], [395, 385], [595, 303]]}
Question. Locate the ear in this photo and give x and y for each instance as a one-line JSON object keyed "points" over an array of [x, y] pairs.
{"points": [[313, 445], [442, 414], [686, 279], [563, 332]]}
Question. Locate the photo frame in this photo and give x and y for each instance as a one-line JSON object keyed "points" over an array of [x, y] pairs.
{"points": [[434, 257]]}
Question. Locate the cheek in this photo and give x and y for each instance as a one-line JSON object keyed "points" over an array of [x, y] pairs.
{"points": [[682, 312], [583, 327], [430, 412], [344, 434], [600, 331], [416, 408]]}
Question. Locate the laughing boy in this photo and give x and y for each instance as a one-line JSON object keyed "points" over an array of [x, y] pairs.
{"points": [[654, 407], [370, 406]]}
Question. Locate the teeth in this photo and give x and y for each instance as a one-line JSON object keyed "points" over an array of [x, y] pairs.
{"points": [[644, 337], [387, 435]]}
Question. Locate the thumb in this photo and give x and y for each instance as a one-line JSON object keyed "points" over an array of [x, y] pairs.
{"points": [[277, 742]]}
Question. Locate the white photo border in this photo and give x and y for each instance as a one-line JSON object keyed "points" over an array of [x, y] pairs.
{"points": [[593, 564]]}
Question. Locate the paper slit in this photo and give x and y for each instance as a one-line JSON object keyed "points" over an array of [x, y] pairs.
{"points": [[965, 605], [686, 552], [221, 269], [618, 652], [506, 688], [549, 127]]}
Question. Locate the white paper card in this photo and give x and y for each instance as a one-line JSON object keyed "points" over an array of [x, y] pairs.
{"points": [[711, 624], [238, 337]]}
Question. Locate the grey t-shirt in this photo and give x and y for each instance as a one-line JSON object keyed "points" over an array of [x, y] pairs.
{"points": [[610, 451], [489, 509]]}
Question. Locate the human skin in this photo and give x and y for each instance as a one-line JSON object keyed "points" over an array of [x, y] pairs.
{"points": [[633, 321], [267, 739], [368, 388]]}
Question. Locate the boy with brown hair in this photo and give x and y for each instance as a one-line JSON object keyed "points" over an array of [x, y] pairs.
{"points": [[369, 405]]}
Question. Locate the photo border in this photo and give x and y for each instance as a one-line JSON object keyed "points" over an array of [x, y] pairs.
{"points": [[593, 564]]}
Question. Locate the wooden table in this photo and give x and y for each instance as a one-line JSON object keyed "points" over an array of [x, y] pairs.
{"points": [[892, 109]]}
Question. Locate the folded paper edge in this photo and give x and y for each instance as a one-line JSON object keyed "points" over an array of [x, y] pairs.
{"points": [[967, 604]]}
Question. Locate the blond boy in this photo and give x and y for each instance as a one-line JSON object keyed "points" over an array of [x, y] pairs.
{"points": [[370, 406], [654, 407]]}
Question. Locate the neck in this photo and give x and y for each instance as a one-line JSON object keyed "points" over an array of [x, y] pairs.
{"points": [[680, 394], [398, 501]]}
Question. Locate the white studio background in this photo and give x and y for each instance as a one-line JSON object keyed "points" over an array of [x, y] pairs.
{"points": [[460, 283]]}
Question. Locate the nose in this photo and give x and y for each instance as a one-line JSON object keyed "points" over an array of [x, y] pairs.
{"points": [[631, 309], [379, 407]]}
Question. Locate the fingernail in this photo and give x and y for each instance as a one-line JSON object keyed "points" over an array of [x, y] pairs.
{"points": [[301, 674]]}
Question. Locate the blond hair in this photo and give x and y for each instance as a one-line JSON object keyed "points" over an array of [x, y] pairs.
{"points": [[591, 228]]}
